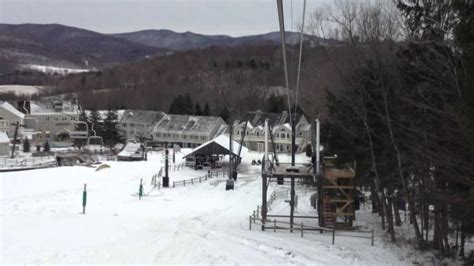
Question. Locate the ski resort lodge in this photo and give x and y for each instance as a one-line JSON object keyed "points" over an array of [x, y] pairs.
{"points": [[9, 115], [54, 120], [139, 123], [188, 131], [252, 125]]}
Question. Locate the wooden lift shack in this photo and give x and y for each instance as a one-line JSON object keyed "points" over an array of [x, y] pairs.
{"points": [[336, 196]]}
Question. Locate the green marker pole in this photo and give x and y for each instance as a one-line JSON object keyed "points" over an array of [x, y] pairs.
{"points": [[84, 199], [140, 189]]}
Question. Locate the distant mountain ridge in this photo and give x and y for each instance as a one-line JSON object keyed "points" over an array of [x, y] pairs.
{"points": [[56, 45], [69, 47], [188, 40]]}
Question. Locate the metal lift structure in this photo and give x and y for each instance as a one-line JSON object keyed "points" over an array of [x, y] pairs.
{"points": [[334, 186]]}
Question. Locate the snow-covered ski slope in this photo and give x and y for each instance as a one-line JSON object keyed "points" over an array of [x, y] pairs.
{"points": [[202, 223]]}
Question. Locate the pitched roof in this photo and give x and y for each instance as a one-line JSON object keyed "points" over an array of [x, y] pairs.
{"points": [[188, 124], [257, 118], [47, 107], [141, 116], [10, 108], [219, 145]]}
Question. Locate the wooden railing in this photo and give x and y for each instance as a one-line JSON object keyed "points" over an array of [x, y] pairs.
{"points": [[193, 181], [30, 162], [286, 226]]}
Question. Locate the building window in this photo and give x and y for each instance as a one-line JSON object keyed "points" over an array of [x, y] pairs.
{"points": [[288, 135], [258, 134], [132, 125], [64, 118], [56, 118], [203, 138]]}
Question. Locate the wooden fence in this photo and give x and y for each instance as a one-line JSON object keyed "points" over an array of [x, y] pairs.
{"points": [[192, 181], [29, 162], [286, 226]]}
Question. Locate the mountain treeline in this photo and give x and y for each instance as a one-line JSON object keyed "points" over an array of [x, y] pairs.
{"points": [[236, 78], [405, 113]]}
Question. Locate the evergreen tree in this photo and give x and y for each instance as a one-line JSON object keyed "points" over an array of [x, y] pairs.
{"points": [[225, 114], [197, 109], [176, 106], [188, 104], [182, 105], [276, 104], [26, 145], [206, 111], [111, 134]]}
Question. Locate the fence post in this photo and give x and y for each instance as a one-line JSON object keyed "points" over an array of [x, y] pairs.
{"points": [[372, 237], [301, 229], [184, 183], [333, 233], [274, 225], [192, 181], [140, 189], [173, 184], [258, 211], [84, 199], [250, 222]]}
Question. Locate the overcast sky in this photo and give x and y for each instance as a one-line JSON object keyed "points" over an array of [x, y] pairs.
{"points": [[230, 17]]}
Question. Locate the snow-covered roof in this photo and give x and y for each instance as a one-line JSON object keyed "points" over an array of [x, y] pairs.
{"points": [[130, 149], [3, 137], [141, 116], [10, 108], [67, 107], [223, 143], [257, 118], [188, 124]]}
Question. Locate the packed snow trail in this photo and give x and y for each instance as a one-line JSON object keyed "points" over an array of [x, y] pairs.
{"points": [[201, 223]]}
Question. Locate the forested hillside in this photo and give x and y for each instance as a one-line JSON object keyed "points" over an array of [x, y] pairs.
{"points": [[239, 78], [406, 115]]}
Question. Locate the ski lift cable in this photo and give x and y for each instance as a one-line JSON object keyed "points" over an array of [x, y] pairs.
{"points": [[283, 48], [300, 56]]}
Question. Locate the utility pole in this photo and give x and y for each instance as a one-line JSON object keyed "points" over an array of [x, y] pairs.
{"points": [[230, 182], [317, 145], [166, 178], [266, 165], [15, 136]]}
